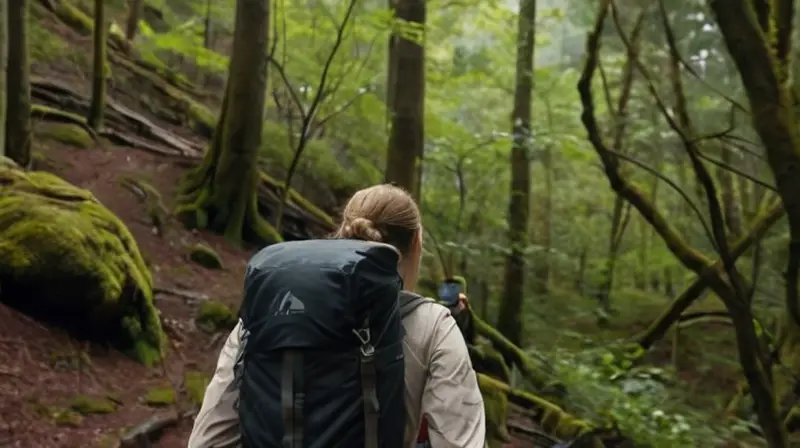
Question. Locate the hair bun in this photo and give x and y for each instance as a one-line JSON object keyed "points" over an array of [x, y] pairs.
{"points": [[363, 229]]}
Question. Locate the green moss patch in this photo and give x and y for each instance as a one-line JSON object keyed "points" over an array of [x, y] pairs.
{"points": [[195, 384], [160, 397], [67, 418], [214, 316], [205, 256], [86, 405], [66, 133], [65, 258]]}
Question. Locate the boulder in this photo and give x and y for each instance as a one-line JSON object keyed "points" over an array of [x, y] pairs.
{"points": [[68, 260]]}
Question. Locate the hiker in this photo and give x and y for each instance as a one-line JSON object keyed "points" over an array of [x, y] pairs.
{"points": [[379, 248]]}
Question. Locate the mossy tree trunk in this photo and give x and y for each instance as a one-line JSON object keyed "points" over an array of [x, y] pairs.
{"points": [[98, 103], [3, 68], [406, 99], [509, 320], [18, 86], [758, 38], [132, 21], [220, 194]]}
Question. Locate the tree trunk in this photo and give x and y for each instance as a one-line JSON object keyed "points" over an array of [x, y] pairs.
{"points": [[3, 68], [407, 100], [18, 105], [220, 195], [132, 22], [509, 320], [98, 103], [733, 214], [543, 230]]}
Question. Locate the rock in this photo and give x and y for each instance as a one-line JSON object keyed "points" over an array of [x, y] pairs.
{"points": [[66, 259], [66, 133], [160, 397], [214, 316], [86, 405], [205, 256]]}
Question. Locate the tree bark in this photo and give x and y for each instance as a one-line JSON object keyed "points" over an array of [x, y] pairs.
{"points": [[221, 195], [18, 87], [510, 317], [132, 22], [98, 102], [407, 102], [3, 68]]}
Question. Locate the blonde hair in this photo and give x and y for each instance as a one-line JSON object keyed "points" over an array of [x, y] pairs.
{"points": [[383, 213]]}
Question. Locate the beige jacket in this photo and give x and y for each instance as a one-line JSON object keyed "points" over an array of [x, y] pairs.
{"points": [[439, 379]]}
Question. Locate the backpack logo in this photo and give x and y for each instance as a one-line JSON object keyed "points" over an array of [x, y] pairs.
{"points": [[290, 305]]}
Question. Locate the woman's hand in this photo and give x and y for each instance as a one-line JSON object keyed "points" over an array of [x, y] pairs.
{"points": [[463, 303]]}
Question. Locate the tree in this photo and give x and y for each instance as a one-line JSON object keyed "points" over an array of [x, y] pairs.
{"points": [[18, 88], [510, 317], [3, 68], [132, 21], [310, 119], [98, 102], [220, 194], [406, 97]]}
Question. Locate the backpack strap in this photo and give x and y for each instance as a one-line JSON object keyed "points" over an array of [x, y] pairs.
{"points": [[410, 301], [369, 386], [292, 399]]}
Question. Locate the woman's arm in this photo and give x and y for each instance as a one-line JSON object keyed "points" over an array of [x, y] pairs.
{"points": [[217, 423], [452, 402]]}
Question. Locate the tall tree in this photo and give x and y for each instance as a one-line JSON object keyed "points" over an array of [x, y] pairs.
{"points": [[509, 320], [221, 193], [132, 22], [18, 87], [98, 103], [406, 97], [3, 68]]}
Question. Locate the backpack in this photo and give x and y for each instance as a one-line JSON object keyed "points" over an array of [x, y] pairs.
{"points": [[321, 357]]}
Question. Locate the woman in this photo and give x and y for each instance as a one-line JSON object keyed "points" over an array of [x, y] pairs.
{"points": [[440, 385]]}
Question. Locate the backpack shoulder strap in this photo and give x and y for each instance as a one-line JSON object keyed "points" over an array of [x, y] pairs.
{"points": [[410, 301]]}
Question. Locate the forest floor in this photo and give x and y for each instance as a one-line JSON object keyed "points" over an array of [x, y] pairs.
{"points": [[45, 370]]}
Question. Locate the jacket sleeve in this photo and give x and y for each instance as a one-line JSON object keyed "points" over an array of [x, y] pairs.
{"points": [[217, 423], [451, 401]]}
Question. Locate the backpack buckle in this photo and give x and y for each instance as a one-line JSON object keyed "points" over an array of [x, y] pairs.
{"points": [[364, 335]]}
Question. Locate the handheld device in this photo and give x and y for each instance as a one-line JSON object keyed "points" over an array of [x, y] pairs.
{"points": [[449, 291]]}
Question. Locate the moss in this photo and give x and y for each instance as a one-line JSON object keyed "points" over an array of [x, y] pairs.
{"points": [[86, 405], [68, 134], [66, 418], [552, 419], [58, 243], [205, 256], [84, 24], [195, 384], [160, 397], [495, 404], [214, 316]]}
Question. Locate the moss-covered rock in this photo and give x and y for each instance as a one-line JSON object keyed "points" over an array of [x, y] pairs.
{"points": [[205, 256], [195, 383], [87, 405], [160, 397], [214, 316], [66, 133], [67, 418], [67, 259]]}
